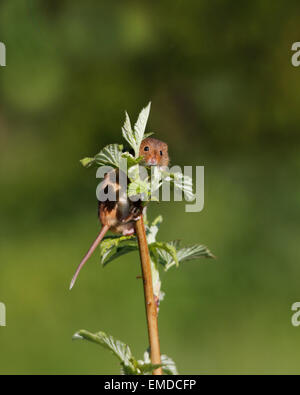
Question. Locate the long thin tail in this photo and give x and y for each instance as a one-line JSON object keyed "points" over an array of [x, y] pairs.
{"points": [[89, 253]]}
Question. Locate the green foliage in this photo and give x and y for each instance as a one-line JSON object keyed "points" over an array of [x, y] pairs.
{"points": [[136, 136], [183, 254], [118, 348], [112, 155], [168, 365], [162, 253], [139, 187], [108, 156], [152, 230], [235, 109], [113, 247], [129, 364], [165, 254], [131, 160], [87, 162], [166, 248]]}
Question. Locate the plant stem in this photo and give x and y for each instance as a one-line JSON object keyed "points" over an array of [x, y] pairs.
{"points": [[151, 308]]}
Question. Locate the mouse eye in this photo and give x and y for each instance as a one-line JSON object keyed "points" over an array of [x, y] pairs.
{"points": [[146, 149], [160, 153]]}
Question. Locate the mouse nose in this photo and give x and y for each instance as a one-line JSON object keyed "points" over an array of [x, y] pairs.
{"points": [[152, 162]]}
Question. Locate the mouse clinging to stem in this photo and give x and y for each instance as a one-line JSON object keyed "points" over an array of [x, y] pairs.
{"points": [[120, 215]]}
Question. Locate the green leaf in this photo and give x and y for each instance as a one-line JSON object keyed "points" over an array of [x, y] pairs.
{"points": [[134, 173], [118, 348], [129, 364], [153, 229], [184, 254], [87, 162], [136, 136], [131, 160], [168, 365], [139, 187], [194, 252], [157, 221], [128, 133], [109, 156], [115, 246], [165, 258], [147, 367], [159, 247], [140, 125], [146, 135]]}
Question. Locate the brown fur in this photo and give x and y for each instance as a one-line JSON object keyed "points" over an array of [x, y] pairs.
{"points": [[120, 215], [153, 156]]}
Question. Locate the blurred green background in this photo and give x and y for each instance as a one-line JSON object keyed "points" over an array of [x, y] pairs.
{"points": [[224, 95]]}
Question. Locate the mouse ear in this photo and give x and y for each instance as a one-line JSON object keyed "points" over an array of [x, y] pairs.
{"points": [[165, 145]]}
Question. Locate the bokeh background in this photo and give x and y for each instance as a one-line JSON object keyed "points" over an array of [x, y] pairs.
{"points": [[224, 95]]}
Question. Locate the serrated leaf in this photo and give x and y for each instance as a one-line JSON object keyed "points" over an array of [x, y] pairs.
{"points": [[136, 136], [164, 258], [115, 246], [168, 365], [109, 156], [194, 252], [184, 254], [118, 348], [128, 133], [140, 125], [139, 187], [162, 247], [129, 364], [127, 123]]}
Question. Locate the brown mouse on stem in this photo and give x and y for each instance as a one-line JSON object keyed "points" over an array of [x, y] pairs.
{"points": [[120, 215]]}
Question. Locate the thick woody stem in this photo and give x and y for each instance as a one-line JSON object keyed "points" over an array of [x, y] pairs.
{"points": [[151, 308]]}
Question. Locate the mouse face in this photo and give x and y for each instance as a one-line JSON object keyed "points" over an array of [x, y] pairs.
{"points": [[154, 152]]}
